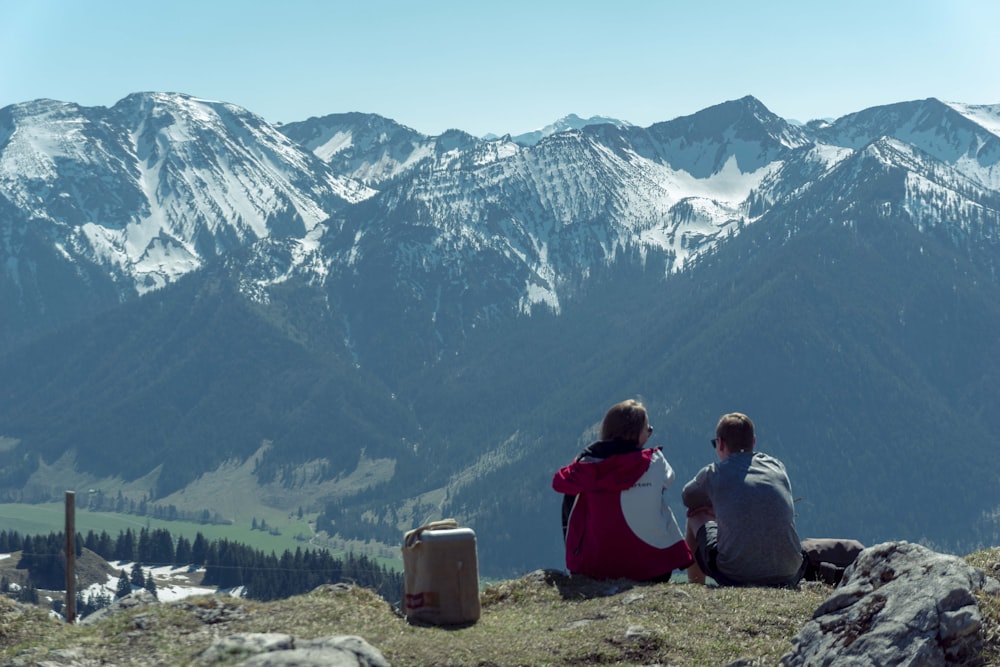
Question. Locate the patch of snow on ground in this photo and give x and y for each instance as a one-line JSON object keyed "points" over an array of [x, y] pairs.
{"points": [[172, 583]]}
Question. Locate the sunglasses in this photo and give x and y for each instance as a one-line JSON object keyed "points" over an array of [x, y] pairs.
{"points": [[715, 443]]}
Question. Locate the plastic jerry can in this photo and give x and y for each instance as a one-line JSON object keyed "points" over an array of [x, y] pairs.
{"points": [[441, 574]]}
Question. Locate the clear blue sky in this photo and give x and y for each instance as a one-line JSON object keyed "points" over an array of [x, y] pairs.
{"points": [[513, 66]]}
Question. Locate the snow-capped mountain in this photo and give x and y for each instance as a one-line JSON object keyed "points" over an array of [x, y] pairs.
{"points": [[151, 189], [528, 226], [570, 122], [403, 319], [456, 217], [964, 137], [157, 185], [368, 147]]}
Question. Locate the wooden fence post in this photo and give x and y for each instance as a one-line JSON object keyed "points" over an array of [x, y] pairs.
{"points": [[70, 606]]}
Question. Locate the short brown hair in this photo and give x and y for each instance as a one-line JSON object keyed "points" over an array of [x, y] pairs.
{"points": [[736, 430], [624, 421]]}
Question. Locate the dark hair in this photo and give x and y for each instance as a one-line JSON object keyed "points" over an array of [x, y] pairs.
{"points": [[736, 430], [624, 421]]}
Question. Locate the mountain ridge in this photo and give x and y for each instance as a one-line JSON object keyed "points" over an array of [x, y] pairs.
{"points": [[451, 306]]}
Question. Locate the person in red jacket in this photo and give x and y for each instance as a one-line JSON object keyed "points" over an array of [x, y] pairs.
{"points": [[616, 520]]}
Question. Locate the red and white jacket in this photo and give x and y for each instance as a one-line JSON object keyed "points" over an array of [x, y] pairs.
{"points": [[616, 519]]}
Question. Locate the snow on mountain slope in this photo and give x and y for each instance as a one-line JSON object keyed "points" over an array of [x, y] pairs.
{"points": [[564, 124], [986, 116], [549, 213], [745, 129], [581, 196], [366, 147], [158, 184], [155, 187], [965, 136]]}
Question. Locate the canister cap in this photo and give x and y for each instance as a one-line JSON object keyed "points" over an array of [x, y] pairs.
{"points": [[448, 535]]}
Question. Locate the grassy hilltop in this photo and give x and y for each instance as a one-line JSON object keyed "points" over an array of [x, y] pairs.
{"points": [[533, 620]]}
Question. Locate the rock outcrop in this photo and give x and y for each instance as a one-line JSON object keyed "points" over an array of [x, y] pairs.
{"points": [[281, 650], [898, 604], [137, 598]]}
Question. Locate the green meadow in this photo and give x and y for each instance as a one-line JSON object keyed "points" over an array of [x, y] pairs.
{"points": [[51, 517]]}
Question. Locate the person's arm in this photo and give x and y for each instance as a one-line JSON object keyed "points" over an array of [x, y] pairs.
{"points": [[568, 479], [695, 493]]}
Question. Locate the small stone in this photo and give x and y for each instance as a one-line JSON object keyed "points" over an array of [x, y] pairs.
{"points": [[635, 631]]}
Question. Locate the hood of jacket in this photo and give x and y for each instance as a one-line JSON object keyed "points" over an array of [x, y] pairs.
{"points": [[604, 466]]}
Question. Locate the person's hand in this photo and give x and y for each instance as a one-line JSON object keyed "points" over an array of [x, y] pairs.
{"points": [[705, 511]]}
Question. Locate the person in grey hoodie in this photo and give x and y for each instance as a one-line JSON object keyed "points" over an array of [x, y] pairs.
{"points": [[741, 520]]}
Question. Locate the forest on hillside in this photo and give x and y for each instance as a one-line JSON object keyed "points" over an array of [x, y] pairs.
{"points": [[227, 564]]}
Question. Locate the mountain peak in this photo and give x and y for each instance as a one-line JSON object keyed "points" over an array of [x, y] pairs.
{"points": [[564, 124], [965, 137], [703, 142]]}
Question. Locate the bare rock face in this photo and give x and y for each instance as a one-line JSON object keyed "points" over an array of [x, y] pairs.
{"points": [[898, 604]]}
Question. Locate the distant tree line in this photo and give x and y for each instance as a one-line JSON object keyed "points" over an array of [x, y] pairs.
{"points": [[270, 577], [227, 564], [353, 519], [98, 501], [350, 522]]}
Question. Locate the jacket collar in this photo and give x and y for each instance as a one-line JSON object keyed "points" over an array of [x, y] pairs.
{"points": [[603, 449]]}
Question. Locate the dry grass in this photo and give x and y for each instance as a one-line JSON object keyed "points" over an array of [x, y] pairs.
{"points": [[529, 621], [539, 619], [988, 560]]}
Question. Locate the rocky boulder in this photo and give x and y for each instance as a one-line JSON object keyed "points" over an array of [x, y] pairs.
{"points": [[898, 604]]}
